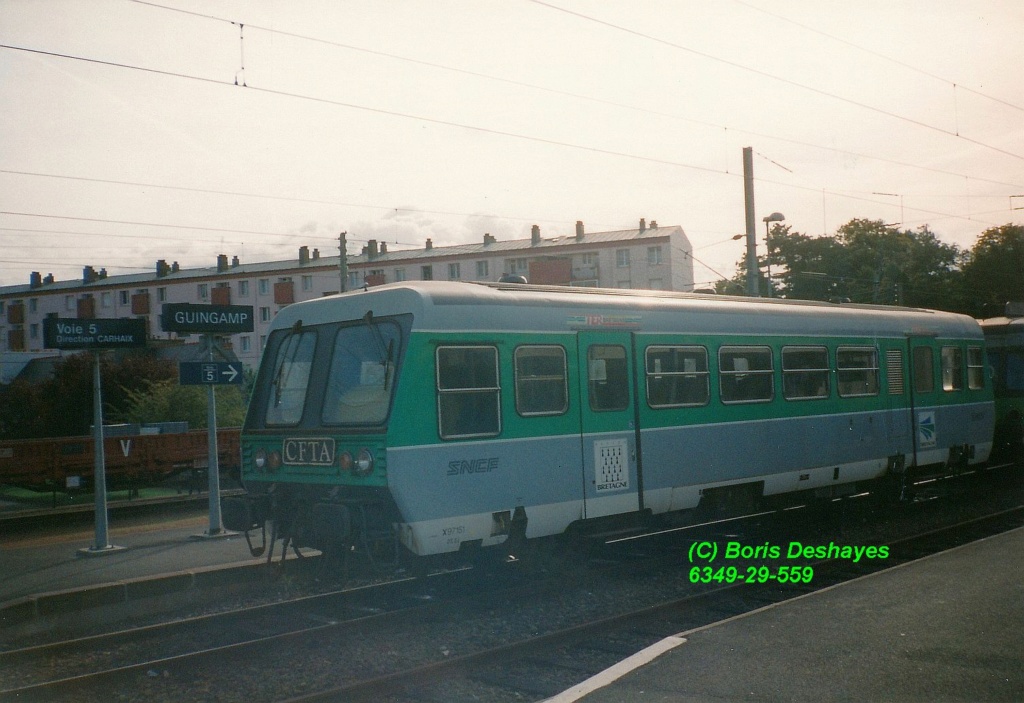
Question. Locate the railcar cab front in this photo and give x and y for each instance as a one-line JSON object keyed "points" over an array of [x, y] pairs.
{"points": [[314, 440]]}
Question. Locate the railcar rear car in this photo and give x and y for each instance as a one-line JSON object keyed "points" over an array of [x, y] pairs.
{"points": [[1004, 337]]}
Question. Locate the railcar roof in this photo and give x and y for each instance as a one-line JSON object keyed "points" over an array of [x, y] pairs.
{"points": [[466, 306]]}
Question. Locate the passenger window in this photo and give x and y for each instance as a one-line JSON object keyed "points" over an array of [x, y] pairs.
{"points": [[468, 393], [952, 369], [975, 368], [924, 370], [746, 374], [290, 379], [857, 371], [541, 384], [607, 377], [805, 373], [677, 376]]}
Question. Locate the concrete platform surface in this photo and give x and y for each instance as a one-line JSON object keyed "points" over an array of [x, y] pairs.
{"points": [[945, 628]]}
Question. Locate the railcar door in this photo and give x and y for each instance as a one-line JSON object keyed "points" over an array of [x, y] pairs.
{"points": [[923, 386], [609, 437]]}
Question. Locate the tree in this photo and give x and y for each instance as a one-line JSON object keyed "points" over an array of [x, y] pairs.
{"points": [[993, 270], [167, 401]]}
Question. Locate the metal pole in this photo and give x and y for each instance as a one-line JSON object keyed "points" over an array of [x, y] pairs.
{"points": [[768, 257], [99, 473], [748, 205], [213, 464], [343, 261]]}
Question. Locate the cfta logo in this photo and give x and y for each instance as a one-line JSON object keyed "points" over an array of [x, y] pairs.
{"points": [[459, 467]]}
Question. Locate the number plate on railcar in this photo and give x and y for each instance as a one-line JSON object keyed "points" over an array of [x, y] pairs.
{"points": [[306, 451]]}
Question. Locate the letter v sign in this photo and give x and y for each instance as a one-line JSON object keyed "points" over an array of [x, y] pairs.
{"points": [[126, 446]]}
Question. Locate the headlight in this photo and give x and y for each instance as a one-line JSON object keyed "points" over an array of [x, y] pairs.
{"points": [[260, 459], [345, 461], [364, 463], [274, 460]]}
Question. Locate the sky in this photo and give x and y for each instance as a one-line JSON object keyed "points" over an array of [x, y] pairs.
{"points": [[134, 131]]}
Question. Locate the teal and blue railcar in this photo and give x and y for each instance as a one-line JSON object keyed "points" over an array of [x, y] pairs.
{"points": [[444, 416], [1004, 337]]}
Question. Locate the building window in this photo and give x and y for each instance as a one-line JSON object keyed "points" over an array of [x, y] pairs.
{"points": [[746, 374], [33, 331], [355, 280], [468, 392], [264, 314], [203, 291], [589, 259], [426, 273], [106, 299], [454, 272], [541, 381], [264, 286], [653, 256], [622, 258], [805, 373], [161, 295], [307, 283], [243, 289], [246, 343], [518, 267], [482, 269], [122, 297], [69, 302], [33, 304], [857, 371], [677, 376], [399, 274]]}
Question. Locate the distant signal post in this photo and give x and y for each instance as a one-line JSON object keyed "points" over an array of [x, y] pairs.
{"points": [[96, 335], [209, 320]]}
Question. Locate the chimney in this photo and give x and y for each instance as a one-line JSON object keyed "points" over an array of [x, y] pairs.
{"points": [[579, 229], [316, 254], [162, 269], [48, 280], [430, 244], [175, 267], [643, 225], [88, 274], [371, 248], [235, 263], [222, 262], [654, 224], [488, 239], [35, 279], [303, 255], [383, 248], [535, 235], [103, 273]]}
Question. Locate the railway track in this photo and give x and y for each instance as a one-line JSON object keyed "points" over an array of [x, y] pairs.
{"points": [[505, 634]]}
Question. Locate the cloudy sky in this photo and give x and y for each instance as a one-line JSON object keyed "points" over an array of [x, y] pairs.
{"points": [[133, 131]]}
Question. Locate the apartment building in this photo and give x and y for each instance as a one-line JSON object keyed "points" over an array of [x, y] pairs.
{"points": [[648, 257]]}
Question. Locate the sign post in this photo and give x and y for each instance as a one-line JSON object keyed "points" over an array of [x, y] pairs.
{"points": [[96, 335], [187, 318]]}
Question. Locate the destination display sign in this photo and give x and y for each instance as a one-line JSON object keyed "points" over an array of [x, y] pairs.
{"points": [[204, 373], [121, 332], [189, 318]]}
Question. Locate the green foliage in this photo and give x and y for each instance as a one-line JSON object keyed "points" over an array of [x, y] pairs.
{"points": [[167, 401], [993, 270], [867, 261]]}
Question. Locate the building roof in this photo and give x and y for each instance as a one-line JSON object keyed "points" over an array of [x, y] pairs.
{"points": [[546, 246]]}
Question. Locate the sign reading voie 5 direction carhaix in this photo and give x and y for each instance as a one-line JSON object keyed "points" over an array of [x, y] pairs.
{"points": [[102, 333], [189, 318]]}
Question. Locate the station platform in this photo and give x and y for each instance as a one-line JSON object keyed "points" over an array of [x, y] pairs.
{"points": [[48, 573], [945, 628]]}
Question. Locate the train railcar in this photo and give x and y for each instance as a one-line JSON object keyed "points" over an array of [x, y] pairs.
{"points": [[1004, 337], [447, 416], [133, 460]]}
